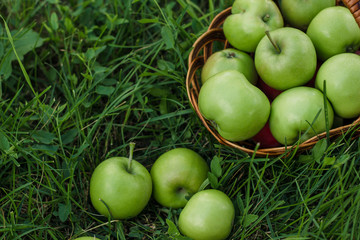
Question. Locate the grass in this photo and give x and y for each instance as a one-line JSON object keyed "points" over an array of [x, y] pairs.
{"points": [[89, 77]]}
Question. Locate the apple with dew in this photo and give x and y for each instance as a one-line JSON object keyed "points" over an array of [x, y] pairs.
{"points": [[285, 58], [209, 214], [236, 108], [177, 174], [341, 74], [299, 13], [248, 22], [334, 30], [228, 59], [299, 114], [120, 187]]}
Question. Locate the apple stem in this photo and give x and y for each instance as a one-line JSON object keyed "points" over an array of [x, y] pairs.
{"points": [[132, 147], [350, 49], [272, 42], [231, 55], [266, 18]]}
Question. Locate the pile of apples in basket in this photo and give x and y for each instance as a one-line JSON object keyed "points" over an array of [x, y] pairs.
{"points": [[292, 69]]}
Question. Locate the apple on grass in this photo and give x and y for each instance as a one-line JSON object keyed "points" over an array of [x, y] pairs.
{"points": [[237, 109], [299, 13], [228, 59], [299, 114], [176, 175], [120, 187], [341, 73], [334, 30], [248, 22], [285, 58], [209, 214]]}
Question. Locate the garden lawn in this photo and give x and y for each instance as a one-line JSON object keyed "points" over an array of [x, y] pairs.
{"points": [[88, 77]]}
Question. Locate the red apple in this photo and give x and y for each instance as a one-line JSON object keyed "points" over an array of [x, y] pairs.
{"points": [[270, 92], [265, 138]]}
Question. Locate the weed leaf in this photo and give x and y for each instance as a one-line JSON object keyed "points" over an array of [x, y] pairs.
{"points": [[249, 219], [43, 136], [104, 90], [168, 37], [215, 166], [328, 161], [24, 41], [69, 136], [54, 21], [148, 20], [172, 230], [342, 160], [4, 143], [319, 150], [213, 180], [64, 211]]}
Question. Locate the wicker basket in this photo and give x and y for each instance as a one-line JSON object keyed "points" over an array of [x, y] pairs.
{"points": [[204, 46]]}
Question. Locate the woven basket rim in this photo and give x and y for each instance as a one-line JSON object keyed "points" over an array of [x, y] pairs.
{"points": [[195, 61]]}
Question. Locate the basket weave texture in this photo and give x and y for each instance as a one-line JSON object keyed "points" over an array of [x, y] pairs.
{"points": [[204, 46], [354, 6]]}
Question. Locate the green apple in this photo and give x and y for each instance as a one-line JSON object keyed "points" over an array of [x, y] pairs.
{"points": [[120, 187], [333, 31], [237, 109], [298, 114], [248, 22], [176, 175], [342, 75], [299, 13], [229, 59], [209, 214], [285, 58]]}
